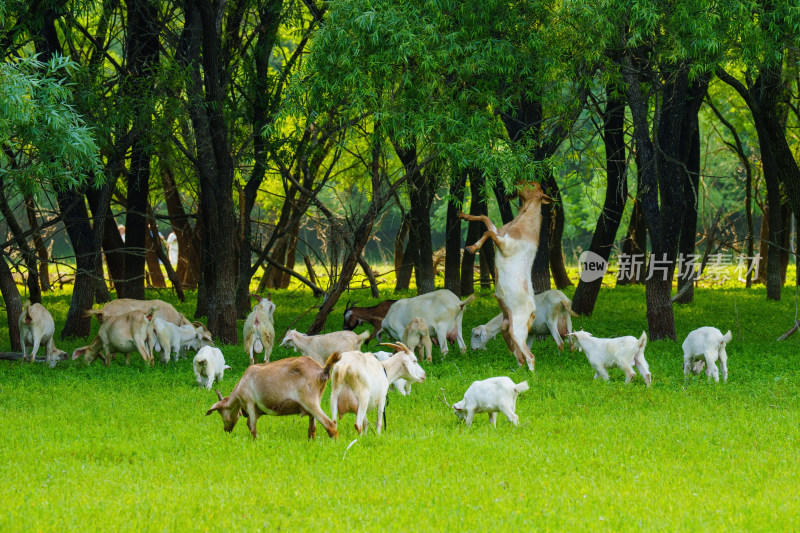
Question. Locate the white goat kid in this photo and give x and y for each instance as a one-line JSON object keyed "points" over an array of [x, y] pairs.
{"points": [[36, 327], [442, 310], [400, 385], [620, 352], [703, 347], [259, 329], [320, 347], [359, 383], [170, 339], [209, 366], [553, 315], [491, 396]]}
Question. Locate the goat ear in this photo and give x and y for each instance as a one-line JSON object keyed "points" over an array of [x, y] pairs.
{"points": [[79, 352], [227, 368], [269, 296], [216, 407], [256, 296]]}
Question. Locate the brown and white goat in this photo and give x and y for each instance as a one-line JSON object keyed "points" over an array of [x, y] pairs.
{"points": [[359, 382], [516, 243], [416, 336], [287, 387], [126, 333], [120, 306], [36, 327], [374, 315]]}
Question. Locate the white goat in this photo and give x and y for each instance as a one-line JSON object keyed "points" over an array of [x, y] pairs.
{"points": [[703, 347], [259, 329], [320, 347], [442, 311], [516, 243], [416, 336], [170, 339], [400, 385], [620, 352], [553, 315], [359, 383], [491, 396], [209, 366], [36, 327]]}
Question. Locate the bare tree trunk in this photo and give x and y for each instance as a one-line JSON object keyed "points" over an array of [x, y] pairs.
{"points": [[585, 297], [540, 271], [557, 266], [13, 302], [452, 258], [32, 277], [38, 243], [691, 184], [474, 231]]}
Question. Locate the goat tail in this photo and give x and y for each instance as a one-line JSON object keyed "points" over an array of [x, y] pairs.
{"points": [[27, 308], [93, 312], [642, 344], [567, 305], [521, 387], [332, 360], [364, 336], [727, 337], [471, 298]]}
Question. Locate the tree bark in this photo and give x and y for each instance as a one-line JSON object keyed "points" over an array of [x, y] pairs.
{"points": [[153, 267], [32, 274], [13, 303], [585, 297], [691, 184], [540, 271], [774, 222], [403, 262], [556, 252], [474, 231], [188, 259], [38, 243], [452, 259]]}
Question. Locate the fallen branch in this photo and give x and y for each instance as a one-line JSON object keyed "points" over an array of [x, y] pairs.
{"points": [[17, 356]]}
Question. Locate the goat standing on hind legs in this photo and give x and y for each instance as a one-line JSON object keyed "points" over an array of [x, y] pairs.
{"points": [[516, 243]]}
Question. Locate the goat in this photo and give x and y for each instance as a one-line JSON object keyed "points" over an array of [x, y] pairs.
{"points": [[120, 306], [621, 352], [400, 385], [170, 338], [286, 387], [703, 347], [416, 336], [516, 244], [490, 396], [209, 366], [36, 327], [553, 315], [355, 316], [442, 311], [123, 333], [259, 331], [359, 382], [320, 347]]}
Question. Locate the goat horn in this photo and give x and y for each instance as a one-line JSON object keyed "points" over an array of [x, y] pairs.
{"points": [[395, 346], [347, 305], [256, 296], [403, 346], [218, 394]]}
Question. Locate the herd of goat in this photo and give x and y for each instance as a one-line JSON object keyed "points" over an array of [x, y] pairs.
{"points": [[360, 381]]}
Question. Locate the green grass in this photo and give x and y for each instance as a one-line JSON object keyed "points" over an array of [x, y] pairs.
{"points": [[129, 448]]}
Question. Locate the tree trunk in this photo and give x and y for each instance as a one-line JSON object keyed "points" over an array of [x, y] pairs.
{"points": [[452, 259], [403, 281], [38, 243], [635, 243], [691, 184], [503, 203], [188, 269], [84, 244], [540, 271], [774, 224], [585, 297], [32, 274], [13, 303], [474, 231], [556, 252], [153, 267]]}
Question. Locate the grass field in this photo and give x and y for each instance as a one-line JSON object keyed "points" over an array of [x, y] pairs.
{"points": [[129, 448]]}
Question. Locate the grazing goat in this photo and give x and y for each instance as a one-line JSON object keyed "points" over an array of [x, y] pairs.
{"points": [[516, 244], [442, 310], [287, 387], [553, 315], [259, 329], [416, 336], [171, 339], [209, 366], [491, 396], [703, 347], [359, 383], [121, 306], [400, 385], [36, 327], [355, 316], [320, 347], [621, 352], [123, 333]]}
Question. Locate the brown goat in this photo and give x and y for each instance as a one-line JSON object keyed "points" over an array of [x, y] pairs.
{"points": [[286, 387], [355, 316]]}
